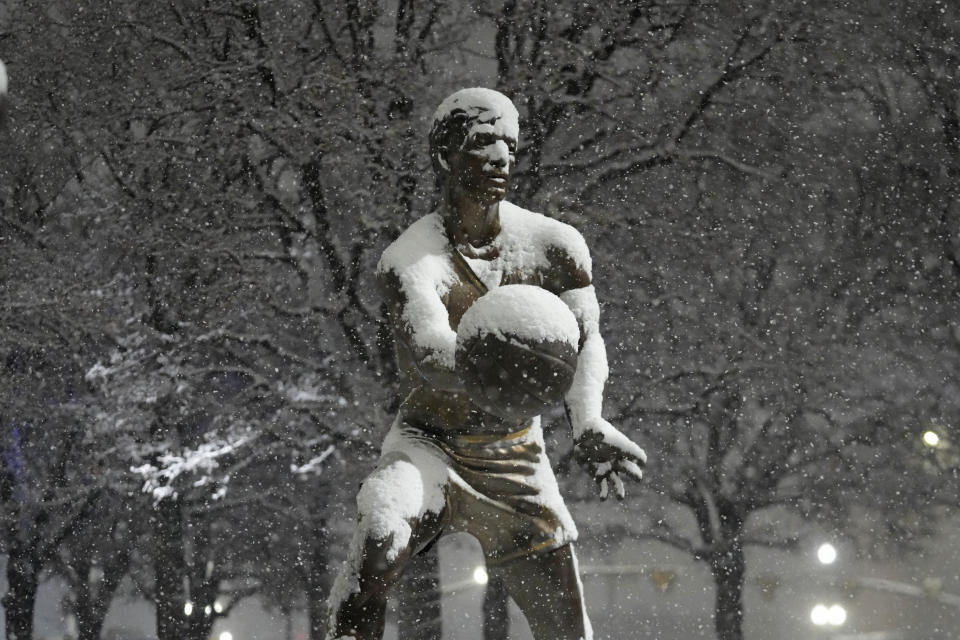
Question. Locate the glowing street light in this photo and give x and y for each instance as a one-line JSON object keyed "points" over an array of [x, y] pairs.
{"points": [[931, 439], [822, 615], [226, 635], [187, 608], [836, 615], [480, 575], [827, 553]]}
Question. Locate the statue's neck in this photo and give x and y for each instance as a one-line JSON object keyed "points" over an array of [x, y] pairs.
{"points": [[471, 223]]}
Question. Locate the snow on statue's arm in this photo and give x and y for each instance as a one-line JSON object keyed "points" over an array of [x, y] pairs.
{"points": [[424, 342], [605, 452], [413, 275]]}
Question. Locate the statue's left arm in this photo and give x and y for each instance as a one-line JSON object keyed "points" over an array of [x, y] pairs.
{"points": [[604, 451]]}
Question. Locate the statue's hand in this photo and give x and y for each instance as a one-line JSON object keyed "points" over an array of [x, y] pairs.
{"points": [[607, 455]]}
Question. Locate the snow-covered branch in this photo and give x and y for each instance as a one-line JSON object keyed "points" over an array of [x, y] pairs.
{"points": [[201, 463]]}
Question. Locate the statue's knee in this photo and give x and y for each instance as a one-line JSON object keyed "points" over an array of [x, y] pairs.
{"points": [[388, 503], [385, 553]]}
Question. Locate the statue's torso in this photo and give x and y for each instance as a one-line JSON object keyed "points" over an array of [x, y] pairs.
{"points": [[521, 254]]}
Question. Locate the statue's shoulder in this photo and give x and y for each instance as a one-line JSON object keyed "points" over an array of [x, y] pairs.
{"points": [[423, 241], [545, 235], [418, 261]]}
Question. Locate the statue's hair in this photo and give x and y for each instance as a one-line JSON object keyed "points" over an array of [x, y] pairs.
{"points": [[454, 117], [448, 132]]}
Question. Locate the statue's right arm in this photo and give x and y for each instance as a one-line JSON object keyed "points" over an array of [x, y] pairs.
{"points": [[423, 339]]}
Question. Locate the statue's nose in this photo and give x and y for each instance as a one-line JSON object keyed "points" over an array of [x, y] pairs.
{"points": [[501, 155]]}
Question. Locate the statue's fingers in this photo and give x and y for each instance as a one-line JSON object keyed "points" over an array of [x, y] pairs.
{"points": [[632, 469], [602, 469], [641, 456], [618, 489], [622, 443], [604, 489]]}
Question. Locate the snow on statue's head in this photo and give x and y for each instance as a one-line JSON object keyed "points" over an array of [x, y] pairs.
{"points": [[459, 112]]}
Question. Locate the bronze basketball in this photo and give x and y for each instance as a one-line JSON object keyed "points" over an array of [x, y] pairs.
{"points": [[517, 351]]}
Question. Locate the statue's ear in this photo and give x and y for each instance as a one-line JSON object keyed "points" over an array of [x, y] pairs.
{"points": [[441, 159]]}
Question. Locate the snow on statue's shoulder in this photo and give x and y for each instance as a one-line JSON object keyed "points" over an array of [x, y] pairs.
{"points": [[416, 248], [530, 234], [419, 260]]}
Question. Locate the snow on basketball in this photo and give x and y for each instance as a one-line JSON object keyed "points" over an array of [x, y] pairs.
{"points": [[517, 351]]}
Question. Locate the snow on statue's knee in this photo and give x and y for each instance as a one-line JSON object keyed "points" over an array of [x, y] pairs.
{"points": [[392, 497]]}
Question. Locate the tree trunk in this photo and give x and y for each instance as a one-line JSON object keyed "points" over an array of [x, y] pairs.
{"points": [[21, 596], [204, 576], [419, 599], [203, 594], [199, 625], [496, 623], [90, 623], [317, 581], [92, 596], [316, 615], [169, 572], [729, 571]]}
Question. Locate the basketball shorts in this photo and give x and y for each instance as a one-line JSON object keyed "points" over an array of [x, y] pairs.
{"points": [[498, 488]]}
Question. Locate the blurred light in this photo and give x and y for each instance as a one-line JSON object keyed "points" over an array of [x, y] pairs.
{"points": [[218, 607], [208, 610], [836, 615], [932, 587], [931, 439], [480, 575], [187, 608], [827, 553], [820, 615], [72, 629], [226, 635]]}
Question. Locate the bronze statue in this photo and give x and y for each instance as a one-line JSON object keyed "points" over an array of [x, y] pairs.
{"points": [[447, 465]]}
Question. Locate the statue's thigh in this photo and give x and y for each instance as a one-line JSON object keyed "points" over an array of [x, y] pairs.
{"points": [[547, 589]]}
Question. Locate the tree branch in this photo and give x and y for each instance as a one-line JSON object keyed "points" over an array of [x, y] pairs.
{"points": [[772, 175]]}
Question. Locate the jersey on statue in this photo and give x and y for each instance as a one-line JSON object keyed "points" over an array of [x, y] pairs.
{"points": [[465, 452]]}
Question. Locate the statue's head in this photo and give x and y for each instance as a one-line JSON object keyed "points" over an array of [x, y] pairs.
{"points": [[472, 143]]}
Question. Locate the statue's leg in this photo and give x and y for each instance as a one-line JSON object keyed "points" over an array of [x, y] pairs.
{"points": [[399, 512], [547, 589]]}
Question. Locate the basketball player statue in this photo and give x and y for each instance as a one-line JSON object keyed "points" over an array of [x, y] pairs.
{"points": [[447, 464]]}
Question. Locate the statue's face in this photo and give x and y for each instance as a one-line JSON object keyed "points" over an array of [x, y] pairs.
{"points": [[480, 168]]}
